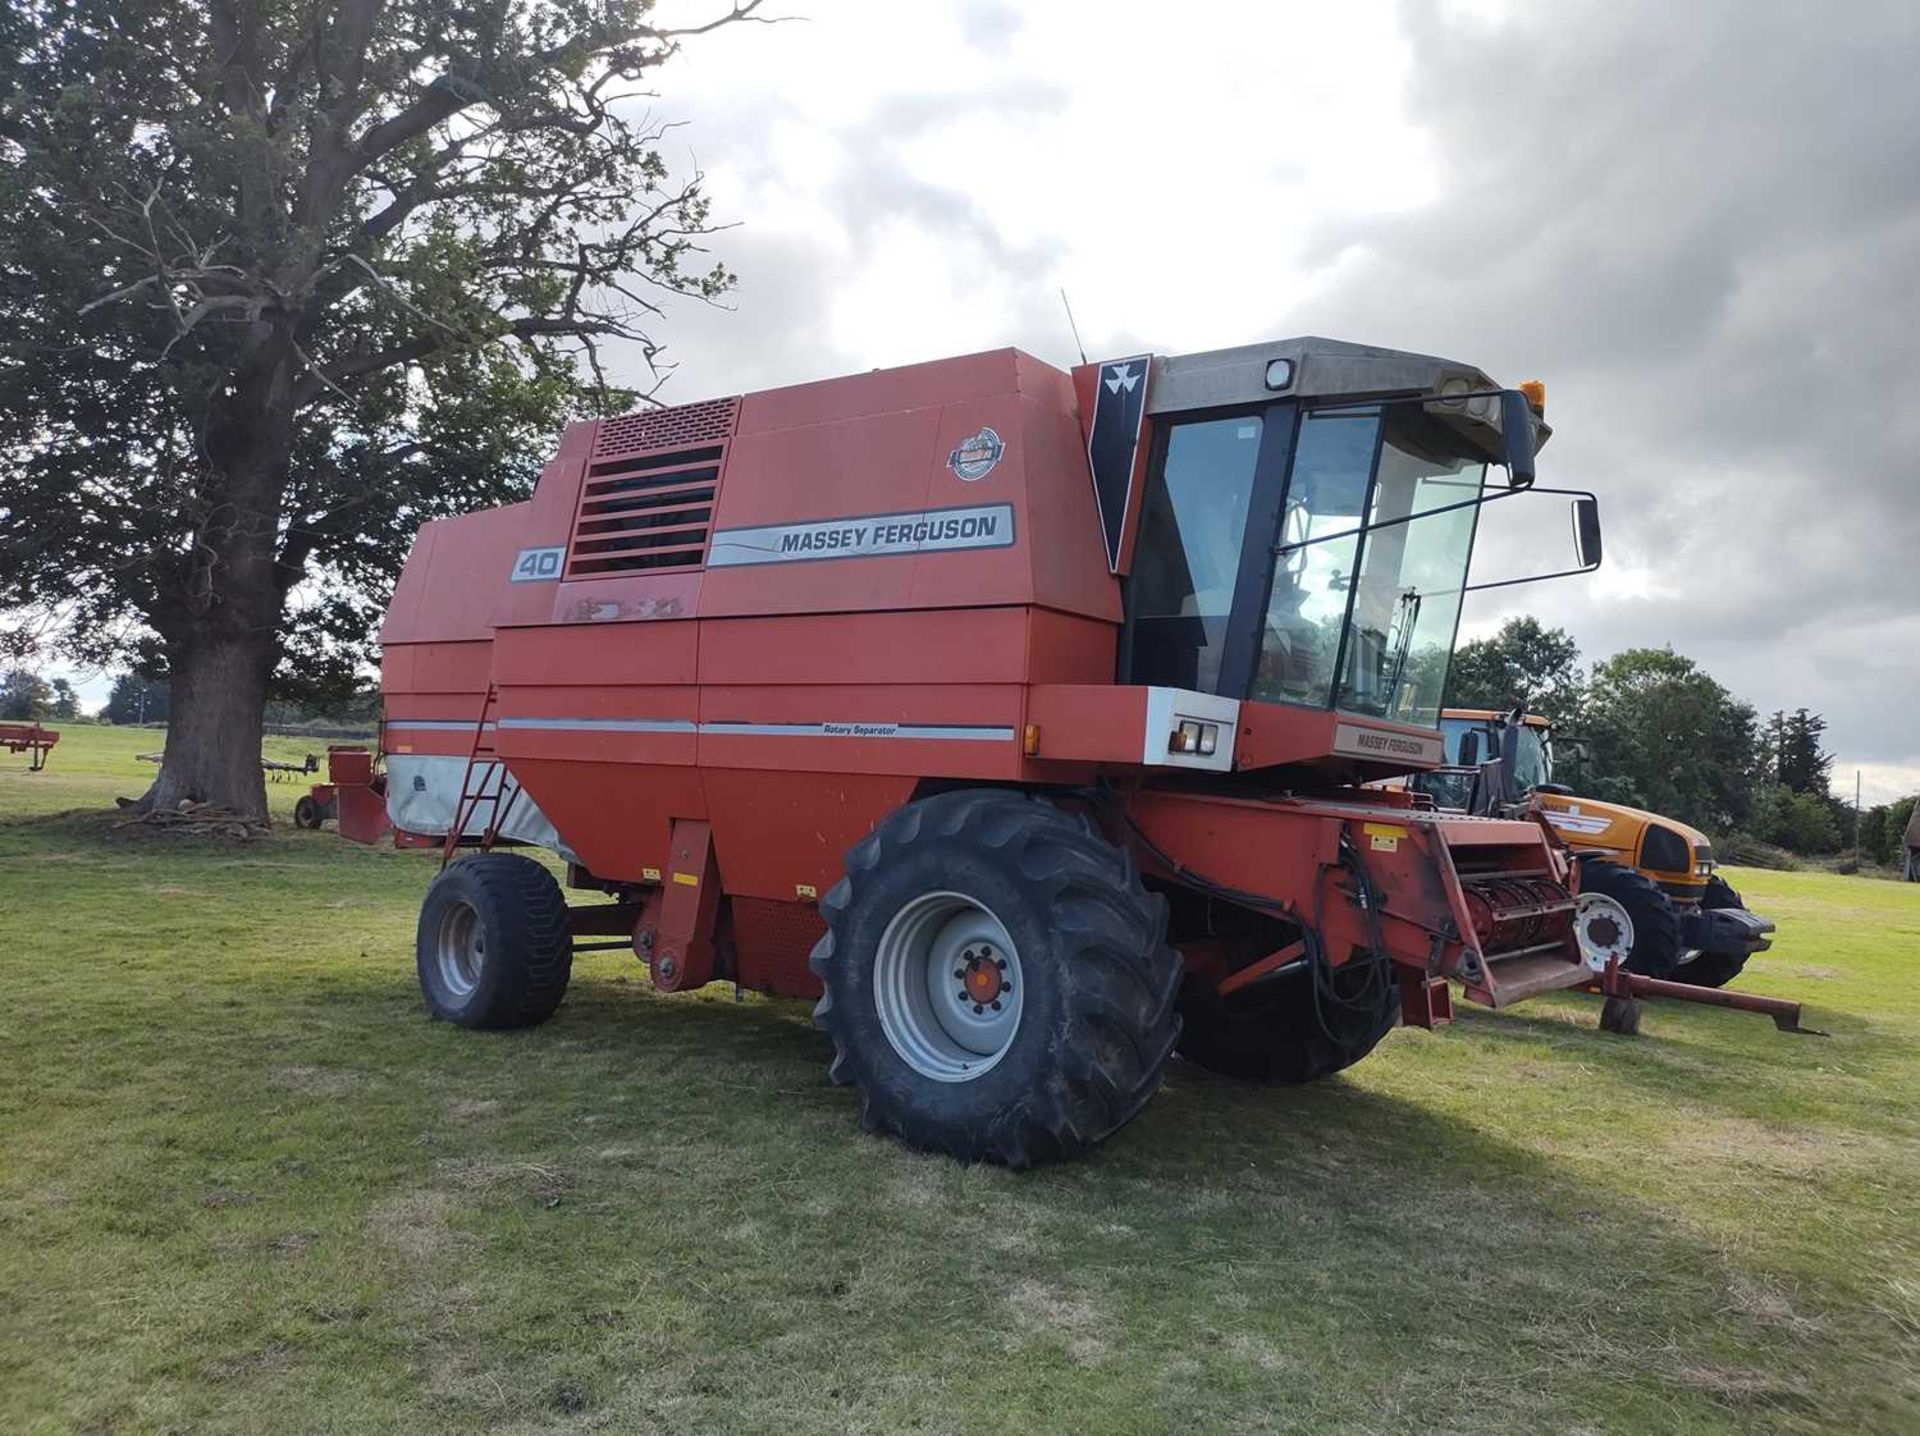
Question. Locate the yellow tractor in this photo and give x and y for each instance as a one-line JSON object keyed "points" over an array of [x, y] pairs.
{"points": [[1649, 895]]}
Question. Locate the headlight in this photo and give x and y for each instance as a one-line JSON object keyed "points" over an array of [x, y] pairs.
{"points": [[1194, 737]]}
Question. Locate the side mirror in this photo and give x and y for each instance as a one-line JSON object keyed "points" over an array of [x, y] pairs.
{"points": [[1586, 535], [1470, 748], [1516, 430], [1510, 758], [1586, 530]]}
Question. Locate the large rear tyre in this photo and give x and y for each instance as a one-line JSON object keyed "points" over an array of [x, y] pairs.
{"points": [[1623, 915], [1282, 1033], [493, 948], [998, 983], [1714, 969]]}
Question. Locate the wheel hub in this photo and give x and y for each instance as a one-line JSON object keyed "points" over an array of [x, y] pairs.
{"points": [[980, 980], [947, 986], [461, 950], [1604, 930]]}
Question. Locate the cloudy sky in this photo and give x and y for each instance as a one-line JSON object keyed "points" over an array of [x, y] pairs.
{"points": [[1699, 224]]}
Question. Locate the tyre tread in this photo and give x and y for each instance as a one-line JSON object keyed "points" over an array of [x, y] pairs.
{"points": [[531, 940], [1121, 996]]}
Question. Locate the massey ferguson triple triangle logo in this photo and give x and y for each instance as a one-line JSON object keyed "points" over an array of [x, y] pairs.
{"points": [[1113, 442]]}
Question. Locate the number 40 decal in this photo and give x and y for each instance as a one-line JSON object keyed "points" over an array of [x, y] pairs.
{"points": [[538, 565]]}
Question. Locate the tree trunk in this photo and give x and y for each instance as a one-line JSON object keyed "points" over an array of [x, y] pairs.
{"points": [[220, 629], [218, 709]]}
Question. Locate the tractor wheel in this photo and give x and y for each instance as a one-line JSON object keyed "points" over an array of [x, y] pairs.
{"points": [[1714, 969], [1624, 915], [1282, 1033], [493, 947], [307, 813], [998, 983]]}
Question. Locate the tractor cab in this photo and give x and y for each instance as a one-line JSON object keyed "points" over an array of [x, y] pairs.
{"points": [[1306, 530], [1476, 737]]}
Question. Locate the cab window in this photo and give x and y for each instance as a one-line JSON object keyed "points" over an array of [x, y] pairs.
{"points": [[1192, 526]]}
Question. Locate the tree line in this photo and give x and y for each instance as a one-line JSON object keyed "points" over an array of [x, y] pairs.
{"points": [[136, 699], [1662, 734], [26, 697]]}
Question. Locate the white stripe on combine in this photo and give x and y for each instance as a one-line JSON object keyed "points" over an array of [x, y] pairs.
{"points": [[950, 732], [603, 725], [934, 732]]}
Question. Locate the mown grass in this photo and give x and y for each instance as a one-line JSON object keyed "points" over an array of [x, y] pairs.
{"points": [[246, 1185]]}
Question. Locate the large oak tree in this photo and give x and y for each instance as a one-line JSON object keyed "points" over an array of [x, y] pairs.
{"points": [[281, 279]]}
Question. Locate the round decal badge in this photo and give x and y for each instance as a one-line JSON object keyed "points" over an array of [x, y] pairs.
{"points": [[975, 458]]}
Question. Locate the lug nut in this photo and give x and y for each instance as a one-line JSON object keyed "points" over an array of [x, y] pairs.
{"points": [[1001, 963], [996, 1004], [962, 995], [959, 974], [978, 1009]]}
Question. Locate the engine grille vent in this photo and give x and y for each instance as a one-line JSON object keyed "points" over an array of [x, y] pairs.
{"points": [[708, 422], [645, 513]]}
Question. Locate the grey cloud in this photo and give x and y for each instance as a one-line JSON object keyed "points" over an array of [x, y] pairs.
{"points": [[900, 116], [713, 350], [1702, 225], [1699, 223], [772, 330]]}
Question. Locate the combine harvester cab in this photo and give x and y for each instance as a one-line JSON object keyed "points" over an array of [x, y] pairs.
{"points": [[1019, 717]]}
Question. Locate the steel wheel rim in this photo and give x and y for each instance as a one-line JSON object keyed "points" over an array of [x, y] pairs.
{"points": [[947, 987], [1600, 945], [461, 949]]}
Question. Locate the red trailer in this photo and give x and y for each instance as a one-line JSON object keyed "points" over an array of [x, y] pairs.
{"points": [[29, 738], [1019, 717]]}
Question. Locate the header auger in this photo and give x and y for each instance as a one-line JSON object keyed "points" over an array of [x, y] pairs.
{"points": [[1019, 717]]}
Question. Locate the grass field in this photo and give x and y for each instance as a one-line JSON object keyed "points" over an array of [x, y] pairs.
{"points": [[246, 1185]]}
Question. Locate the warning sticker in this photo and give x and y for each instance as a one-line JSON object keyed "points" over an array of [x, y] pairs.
{"points": [[1384, 837]]}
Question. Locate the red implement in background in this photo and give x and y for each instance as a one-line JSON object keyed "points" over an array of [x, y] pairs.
{"points": [[29, 738], [354, 796]]}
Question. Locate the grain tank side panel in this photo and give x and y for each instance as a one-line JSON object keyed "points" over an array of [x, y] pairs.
{"points": [[974, 645]]}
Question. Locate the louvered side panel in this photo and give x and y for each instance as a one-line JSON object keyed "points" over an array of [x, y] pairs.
{"points": [[647, 502]]}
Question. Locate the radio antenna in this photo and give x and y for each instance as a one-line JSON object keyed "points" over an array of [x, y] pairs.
{"points": [[1071, 325]]}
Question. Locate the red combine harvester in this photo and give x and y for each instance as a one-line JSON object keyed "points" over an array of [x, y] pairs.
{"points": [[1020, 717], [29, 738]]}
